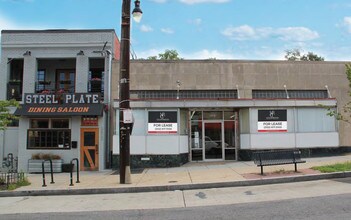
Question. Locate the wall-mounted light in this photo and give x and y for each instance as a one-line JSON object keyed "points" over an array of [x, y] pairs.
{"points": [[80, 53], [179, 83], [329, 95], [27, 53], [237, 91], [286, 91]]}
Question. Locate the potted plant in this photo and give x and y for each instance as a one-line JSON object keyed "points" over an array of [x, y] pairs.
{"points": [[35, 163]]}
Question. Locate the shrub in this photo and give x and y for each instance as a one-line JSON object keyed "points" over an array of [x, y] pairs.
{"points": [[40, 156]]}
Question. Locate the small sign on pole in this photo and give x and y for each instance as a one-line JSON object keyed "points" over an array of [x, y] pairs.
{"points": [[127, 116]]}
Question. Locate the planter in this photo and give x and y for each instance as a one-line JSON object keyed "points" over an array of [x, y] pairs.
{"points": [[35, 166]]}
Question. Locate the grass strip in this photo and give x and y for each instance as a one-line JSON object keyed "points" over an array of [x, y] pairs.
{"points": [[338, 167]]}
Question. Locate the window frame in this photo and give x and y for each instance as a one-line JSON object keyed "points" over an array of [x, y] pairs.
{"points": [[50, 136]]}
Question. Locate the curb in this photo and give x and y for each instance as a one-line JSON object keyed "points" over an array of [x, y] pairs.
{"points": [[140, 189]]}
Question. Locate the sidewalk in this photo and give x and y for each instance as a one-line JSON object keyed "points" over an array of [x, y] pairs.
{"points": [[189, 176]]}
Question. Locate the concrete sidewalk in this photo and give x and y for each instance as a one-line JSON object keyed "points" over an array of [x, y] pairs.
{"points": [[189, 176]]}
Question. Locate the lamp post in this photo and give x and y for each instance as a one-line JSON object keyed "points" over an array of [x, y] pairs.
{"points": [[124, 106]]}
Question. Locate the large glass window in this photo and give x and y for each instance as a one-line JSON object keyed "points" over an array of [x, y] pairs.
{"points": [[314, 120], [48, 134]]}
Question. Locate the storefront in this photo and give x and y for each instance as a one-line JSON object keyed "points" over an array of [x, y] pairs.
{"points": [[64, 88], [203, 111], [67, 125]]}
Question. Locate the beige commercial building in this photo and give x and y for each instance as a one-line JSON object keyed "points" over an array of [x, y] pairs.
{"points": [[215, 110]]}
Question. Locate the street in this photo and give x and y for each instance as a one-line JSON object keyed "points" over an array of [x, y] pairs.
{"points": [[324, 199]]}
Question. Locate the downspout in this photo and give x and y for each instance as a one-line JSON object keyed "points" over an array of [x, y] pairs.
{"points": [[108, 114]]}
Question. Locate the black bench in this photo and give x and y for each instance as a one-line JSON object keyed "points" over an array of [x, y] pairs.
{"points": [[270, 158]]}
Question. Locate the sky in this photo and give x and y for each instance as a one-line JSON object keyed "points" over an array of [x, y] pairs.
{"points": [[202, 29]]}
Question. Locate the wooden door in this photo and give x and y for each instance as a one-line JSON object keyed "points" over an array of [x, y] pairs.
{"points": [[89, 149]]}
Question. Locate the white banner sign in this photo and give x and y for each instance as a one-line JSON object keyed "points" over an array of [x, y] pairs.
{"points": [[272, 126], [162, 128]]}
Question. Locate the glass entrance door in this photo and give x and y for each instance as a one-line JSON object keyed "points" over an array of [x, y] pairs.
{"points": [[212, 141]]}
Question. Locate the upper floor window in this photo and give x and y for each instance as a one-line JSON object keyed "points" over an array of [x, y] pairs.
{"points": [[96, 75], [96, 81], [184, 94], [294, 94], [66, 80], [15, 84]]}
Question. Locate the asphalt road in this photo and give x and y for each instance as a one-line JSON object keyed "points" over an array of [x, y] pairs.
{"points": [[324, 199]]}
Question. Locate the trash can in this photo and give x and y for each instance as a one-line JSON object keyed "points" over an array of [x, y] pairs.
{"points": [[67, 167]]}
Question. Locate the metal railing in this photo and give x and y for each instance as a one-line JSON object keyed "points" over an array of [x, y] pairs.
{"points": [[11, 178], [51, 171], [71, 173]]}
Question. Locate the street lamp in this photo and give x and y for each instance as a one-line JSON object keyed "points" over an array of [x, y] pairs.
{"points": [[124, 106]]}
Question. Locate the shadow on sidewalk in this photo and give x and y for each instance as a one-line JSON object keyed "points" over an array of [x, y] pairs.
{"points": [[133, 171]]}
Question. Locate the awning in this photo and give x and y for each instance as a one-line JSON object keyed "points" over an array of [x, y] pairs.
{"points": [[59, 110]]}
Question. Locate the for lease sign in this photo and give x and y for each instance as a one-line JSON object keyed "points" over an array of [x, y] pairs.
{"points": [[272, 121], [162, 122]]}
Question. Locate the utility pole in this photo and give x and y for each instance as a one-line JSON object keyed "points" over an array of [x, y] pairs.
{"points": [[124, 105]]}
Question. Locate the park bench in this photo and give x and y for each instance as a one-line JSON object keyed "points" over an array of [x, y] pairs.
{"points": [[278, 157]]}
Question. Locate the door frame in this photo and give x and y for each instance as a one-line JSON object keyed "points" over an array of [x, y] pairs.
{"points": [[83, 148], [204, 122], [236, 121]]}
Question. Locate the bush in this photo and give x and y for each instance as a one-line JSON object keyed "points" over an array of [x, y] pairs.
{"points": [[40, 156]]}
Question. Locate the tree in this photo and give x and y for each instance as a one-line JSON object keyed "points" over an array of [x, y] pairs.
{"points": [[5, 116], [295, 55], [346, 109], [167, 55]]}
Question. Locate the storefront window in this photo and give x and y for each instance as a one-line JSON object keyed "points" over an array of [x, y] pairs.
{"points": [[214, 115], [315, 120], [49, 133]]}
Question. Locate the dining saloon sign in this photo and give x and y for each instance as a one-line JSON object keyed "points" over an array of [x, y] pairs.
{"points": [[162, 122], [272, 121], [61, 104]]}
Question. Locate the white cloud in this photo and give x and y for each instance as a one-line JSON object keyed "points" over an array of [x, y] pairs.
{"points": [[167, 30], [296, 34], [246, 32], [347, 24], [6, 24], [196, 21], [243, 32], [190, 2], [146, 28], [207, 54], [159, 1], [149, 53]]}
